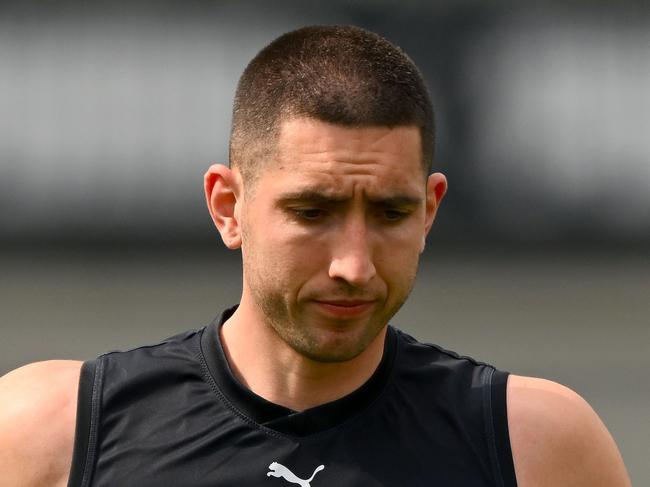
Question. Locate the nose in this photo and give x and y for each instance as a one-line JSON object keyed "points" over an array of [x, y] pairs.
{"points": [[352, 259]]}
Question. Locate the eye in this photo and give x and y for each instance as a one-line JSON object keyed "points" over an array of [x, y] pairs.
{"points": [[394, 215], [309, 213]]}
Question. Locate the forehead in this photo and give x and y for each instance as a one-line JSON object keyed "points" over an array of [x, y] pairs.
{"points": [[337, 158]]}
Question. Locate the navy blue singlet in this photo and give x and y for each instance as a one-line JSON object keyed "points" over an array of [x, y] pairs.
{"points": [[173, 414]]}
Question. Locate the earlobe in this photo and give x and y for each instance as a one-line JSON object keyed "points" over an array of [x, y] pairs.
{"points": [[222, 193]]}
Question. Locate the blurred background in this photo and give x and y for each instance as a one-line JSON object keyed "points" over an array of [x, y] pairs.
{"points": [[539, 261]]}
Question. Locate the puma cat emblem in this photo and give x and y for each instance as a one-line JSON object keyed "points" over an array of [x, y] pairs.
{"points": [[278, 470]]}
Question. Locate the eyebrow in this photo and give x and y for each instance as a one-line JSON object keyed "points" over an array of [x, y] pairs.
{"points": [[313, 196], [322, 197]]}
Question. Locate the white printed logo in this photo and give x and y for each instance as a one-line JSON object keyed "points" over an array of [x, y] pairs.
{"points": [[278, 470]]}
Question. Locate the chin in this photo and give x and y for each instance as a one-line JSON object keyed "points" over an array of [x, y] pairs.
{"points": [[329, 356], [335, 346]]}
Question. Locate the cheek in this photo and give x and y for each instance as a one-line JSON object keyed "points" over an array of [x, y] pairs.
{"points": [[397, 261], [281, 257]]}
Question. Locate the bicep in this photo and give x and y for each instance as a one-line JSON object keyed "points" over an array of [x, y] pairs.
{"points": [[557, 439], [37, 418]]}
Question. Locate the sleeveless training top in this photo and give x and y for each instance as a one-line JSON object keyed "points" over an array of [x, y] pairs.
{"points": [[173, 414]]}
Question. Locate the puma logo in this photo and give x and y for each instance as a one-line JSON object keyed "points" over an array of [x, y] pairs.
{"points": [[278, 470]]}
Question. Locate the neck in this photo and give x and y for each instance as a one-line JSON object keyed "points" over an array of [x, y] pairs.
{"points": [[270, 368]]}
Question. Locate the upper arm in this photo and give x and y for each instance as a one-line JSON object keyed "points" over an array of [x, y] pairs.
{"points": [[38, 408], [558, 440]]}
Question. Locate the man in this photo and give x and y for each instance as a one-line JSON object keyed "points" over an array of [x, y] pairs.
{"points": [[329, 196]]}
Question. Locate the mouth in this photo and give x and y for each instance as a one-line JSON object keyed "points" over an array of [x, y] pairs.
{"points": [[344, 308]]}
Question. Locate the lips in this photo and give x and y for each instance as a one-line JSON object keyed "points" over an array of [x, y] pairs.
{"points": [[344, 308]]}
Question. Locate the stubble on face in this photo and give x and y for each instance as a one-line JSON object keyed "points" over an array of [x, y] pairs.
{"points": [[286, 314], [280, 276]]}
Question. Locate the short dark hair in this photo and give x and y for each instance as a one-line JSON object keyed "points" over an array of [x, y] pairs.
{"points": [[338, 74]]}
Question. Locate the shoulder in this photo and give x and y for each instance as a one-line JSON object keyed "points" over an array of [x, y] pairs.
{"points": [[558, 439], [38, 406]]}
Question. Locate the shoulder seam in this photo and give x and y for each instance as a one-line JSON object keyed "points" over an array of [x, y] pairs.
{"points": [[153, 345], [444, 351]]}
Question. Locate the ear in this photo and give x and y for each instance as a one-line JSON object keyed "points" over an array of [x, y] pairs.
{"points": [[436, 190], [223, 193]]}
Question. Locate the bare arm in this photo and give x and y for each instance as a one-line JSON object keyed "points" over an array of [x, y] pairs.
{"points": [[38, 408], [558, 440]]}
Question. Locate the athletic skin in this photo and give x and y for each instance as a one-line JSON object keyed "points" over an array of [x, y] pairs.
{"points": [[174, 414]]}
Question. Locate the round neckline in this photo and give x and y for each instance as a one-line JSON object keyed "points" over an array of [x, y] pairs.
{"points": [[280, 418]]}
